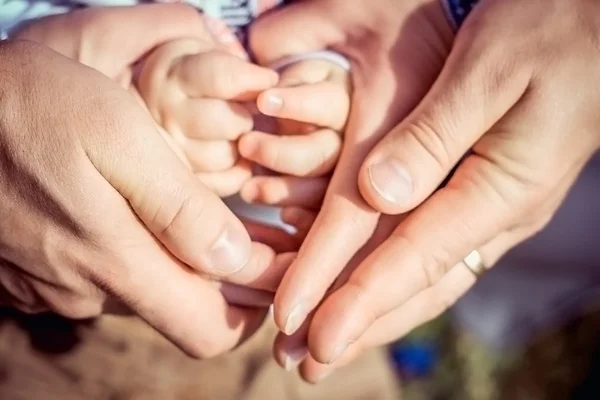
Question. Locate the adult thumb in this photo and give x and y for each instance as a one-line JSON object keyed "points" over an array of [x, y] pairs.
{"points": [[185, 216], [478, 85]]}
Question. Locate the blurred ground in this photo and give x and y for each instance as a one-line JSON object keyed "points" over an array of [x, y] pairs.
{"points": [[46, 357], [438, 362]]}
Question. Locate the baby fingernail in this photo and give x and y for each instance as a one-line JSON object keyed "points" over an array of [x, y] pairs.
{"points": [[295, 318], [293, 357], [230, 252], [392, 181], [272, 104]]}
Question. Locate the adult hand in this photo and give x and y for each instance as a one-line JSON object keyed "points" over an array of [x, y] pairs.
{"points": [[112, 39], [81, 165], [396, 49], [514, 103]]}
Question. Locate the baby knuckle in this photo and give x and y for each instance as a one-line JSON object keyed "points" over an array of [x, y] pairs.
{"points": [[271, 156]]}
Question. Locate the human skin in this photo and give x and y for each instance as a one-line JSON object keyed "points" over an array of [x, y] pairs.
{"points": [[96, 206], [511, 108]]}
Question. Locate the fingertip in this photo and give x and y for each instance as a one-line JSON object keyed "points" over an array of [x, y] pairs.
{"points": [[248, 145], [270, 102], [386, 185], [231, 251], [257, 77], [279, 312], [250, 192]]}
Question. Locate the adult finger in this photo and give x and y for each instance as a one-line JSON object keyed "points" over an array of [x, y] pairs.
{"points": [[484, 202], [324, 104], [418, 310], [221, 75], [172, 297], [383, 230], [309, 155], [264, 270], [345, 221], [389, 79], [290, 351], [477, 86], [392, 326], [244, 296], [285, 191]]}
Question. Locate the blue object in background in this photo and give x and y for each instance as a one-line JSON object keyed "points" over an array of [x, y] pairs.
{"points": [[415, 358]]}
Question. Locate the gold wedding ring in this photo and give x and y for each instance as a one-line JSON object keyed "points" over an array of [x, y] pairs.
{"points": [[475, 263]]}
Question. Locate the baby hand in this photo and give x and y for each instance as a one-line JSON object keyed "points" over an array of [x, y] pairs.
{"points": [[195, 90], [311, 105]]}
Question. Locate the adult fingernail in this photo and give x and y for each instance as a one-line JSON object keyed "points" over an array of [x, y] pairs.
{"points": [[272, 104], [295, 318], [392, 181], [293, 357], [230, 252], [337, 352]]}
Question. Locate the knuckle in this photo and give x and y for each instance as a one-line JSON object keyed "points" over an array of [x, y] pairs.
{"points": [[432, 263], [326, 155], [432, 140], [172, 220], [513, 194], [270, 154], [220, 73], [234, 119]]}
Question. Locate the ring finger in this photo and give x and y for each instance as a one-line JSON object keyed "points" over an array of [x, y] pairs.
{"points": [[418, 310]]}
